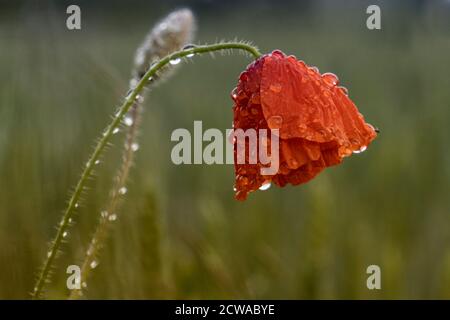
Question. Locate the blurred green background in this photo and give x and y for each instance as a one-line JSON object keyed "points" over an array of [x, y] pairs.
{"points": [[180, 233]]}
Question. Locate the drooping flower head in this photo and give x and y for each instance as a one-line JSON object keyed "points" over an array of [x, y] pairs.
{"points": [[317, 123]]}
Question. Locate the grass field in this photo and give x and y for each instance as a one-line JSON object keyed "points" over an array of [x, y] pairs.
{"points": [[180, 233]]}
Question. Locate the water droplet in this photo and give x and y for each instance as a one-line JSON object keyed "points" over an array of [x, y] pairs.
{"points": [[139, 98], [93, 264], [112, 217], [276, 87], [361, 150], [278, 53], [128, 121], [70, 220], [129, 92], [64, 234], [135, 146], [187, 47], [234, 93], [115, 130], [344, 90], [123, 190], [275, 122], [265, 186], [234, 189], [97, 161], [150, 78], [133, 83], [330, 78], [175, 61]]}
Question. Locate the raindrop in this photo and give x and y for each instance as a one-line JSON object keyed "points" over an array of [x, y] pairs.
{"points": [[139, 98], [93, 264], [175, 61], [97, 161], [128, 121], [330, 78], [115, 130], [112, 217], [361, 150], [129, 93], [123, 190], [344, 90], [234, 93], [265, 186], [188, 47], [275, 122], [135, 146], [234, 189]]}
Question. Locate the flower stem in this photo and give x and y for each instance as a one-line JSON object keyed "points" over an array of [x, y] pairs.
{"points": [[103, 142]]}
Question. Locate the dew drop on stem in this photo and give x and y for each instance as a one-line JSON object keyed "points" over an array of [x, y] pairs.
{"points": [[189, 47], [175, 61], [128, 121], [93, 264], [134, 146]]}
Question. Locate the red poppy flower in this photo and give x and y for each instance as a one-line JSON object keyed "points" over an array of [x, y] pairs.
{"points": [[318, 124]]}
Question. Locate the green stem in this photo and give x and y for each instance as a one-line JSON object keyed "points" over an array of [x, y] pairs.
{"points": [[102, 143]]}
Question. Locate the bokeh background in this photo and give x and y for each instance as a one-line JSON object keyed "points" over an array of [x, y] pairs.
{"points": [[180, 233]]}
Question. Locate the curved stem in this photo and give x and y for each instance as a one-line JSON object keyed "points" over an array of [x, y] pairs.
{"points": [[102, 143]]}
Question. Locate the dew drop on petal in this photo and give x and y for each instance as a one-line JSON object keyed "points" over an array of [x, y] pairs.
{"points": [[265, 186], [234, 93], [175, 61], [275, 122], [361, 150], [344, 90], [330, 78]]}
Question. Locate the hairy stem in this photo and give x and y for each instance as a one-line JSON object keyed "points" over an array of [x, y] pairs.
{"points": [[102, 143], [98, 239]]}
